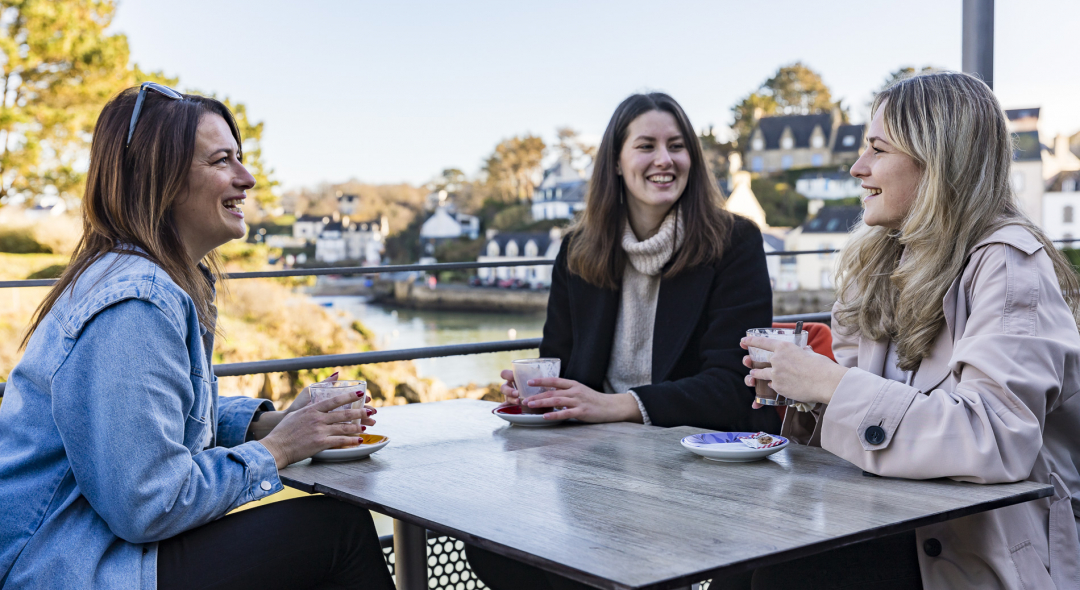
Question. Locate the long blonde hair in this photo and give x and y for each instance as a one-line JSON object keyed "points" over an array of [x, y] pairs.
{"points": [[953, 127]]}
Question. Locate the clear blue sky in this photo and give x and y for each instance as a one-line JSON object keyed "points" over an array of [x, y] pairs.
{"points": [[397, 91]]}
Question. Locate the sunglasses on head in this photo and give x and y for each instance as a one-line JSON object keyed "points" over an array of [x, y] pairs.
{"points": [[162, 90]]}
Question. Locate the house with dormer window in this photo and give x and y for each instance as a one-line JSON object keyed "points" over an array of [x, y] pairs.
{"points": [[505, 247], [561, 194], [803, 141]]}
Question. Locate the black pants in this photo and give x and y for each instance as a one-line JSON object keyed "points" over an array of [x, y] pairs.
{"points": [[313, 542], [889, 563]]}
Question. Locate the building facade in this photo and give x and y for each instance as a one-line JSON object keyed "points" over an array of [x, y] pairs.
{"points": [[830, 229], [803, 141], [505, 247], [561, 194]]}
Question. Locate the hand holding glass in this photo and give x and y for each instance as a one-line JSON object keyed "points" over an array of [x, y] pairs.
{"points": [[762, 359], [526, 369]]}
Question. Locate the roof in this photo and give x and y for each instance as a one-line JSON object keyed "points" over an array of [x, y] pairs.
{"points": [[1026, 146], [802, 126], [440, 225], [1054, 185], [561, 173], [542, 239], [856, 131], [833, 220], [568, 192], [312, 218], [1014, 114], [772, 243]]}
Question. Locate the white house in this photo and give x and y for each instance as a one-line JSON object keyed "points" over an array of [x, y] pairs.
{"points": [[742, 200], [561, 194], [828, 230], [446, 224], [308, 227], [1061, 208], [505, 247], [362, 241]]}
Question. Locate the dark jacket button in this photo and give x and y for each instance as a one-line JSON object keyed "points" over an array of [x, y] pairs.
{"points": [[932, 547], [875, 435]]}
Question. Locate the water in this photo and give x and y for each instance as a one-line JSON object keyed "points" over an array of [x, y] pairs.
{"points": [[406, 328]]}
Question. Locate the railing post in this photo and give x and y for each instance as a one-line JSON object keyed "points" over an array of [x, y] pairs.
{"points": [[410, 556]]}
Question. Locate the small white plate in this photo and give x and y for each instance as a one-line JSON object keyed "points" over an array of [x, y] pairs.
{"points": [[372, 443], [513, 415], [725, 446]]}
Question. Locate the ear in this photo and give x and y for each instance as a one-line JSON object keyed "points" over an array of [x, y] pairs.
{"points": [[618, 169]]}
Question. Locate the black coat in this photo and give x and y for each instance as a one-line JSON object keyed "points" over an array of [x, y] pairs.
{"points": [[701, 314]]}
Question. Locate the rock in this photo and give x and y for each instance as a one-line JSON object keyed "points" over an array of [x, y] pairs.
{"points": [[406, 391]]}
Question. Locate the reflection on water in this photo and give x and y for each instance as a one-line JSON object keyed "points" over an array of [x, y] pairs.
{"points": [[407, 328]]}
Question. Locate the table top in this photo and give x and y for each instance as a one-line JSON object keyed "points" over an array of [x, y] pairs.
{"points": [[624, 506]]}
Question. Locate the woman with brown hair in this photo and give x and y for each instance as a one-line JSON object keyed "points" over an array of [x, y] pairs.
{"points": [[654, 287], [650, 295], [118, 459], [957, 349]]}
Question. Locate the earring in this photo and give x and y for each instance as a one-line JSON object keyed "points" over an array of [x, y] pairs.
{"points": [[622, 195]]}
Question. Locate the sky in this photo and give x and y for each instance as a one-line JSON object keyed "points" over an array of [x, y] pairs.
{"points": [[397, 91]]}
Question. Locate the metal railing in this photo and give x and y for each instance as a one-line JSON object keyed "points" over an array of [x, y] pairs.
{"points": [[385, 356]]}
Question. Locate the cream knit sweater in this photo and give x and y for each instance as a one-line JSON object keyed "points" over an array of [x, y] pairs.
{"points": [[631, 351]]}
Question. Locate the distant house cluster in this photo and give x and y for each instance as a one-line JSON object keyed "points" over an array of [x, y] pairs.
{"points": [[561, 194], [515, 247], [339, 237], [803, 141]]}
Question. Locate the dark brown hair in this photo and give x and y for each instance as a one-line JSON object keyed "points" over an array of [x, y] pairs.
{"points": [[131, 193], [596, 254]]}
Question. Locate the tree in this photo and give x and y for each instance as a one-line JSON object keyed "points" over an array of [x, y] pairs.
{"points": [[512, 168], [58, 68], [571, 147], [901, 74], [717, 152], [794, 90]]}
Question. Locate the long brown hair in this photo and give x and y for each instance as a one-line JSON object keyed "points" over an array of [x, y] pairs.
{"points": [[131, 193], [955, 130], [596, 254]]}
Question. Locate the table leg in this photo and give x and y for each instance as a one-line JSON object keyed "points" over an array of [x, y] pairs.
{"points": [[410, 556]]}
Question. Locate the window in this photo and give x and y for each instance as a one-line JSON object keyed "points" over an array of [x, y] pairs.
{"points": [[1067, 214], [493, 248], [817, 160], [786, 162], [848, 141], [786, 143], [817, 141], [531, 250], [757, 145], [511, 249], [757, 164], [1069, 186]]}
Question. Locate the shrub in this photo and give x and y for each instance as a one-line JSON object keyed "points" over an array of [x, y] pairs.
{"points": [[21, 241], [53, 271]]}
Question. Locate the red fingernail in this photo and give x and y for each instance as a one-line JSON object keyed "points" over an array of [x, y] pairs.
{"points": [[370, 411], [368, 398], [363, 428], [335, 374], [359, 394], [360, 440]]}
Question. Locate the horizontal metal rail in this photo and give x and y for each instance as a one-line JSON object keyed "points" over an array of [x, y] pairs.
{"points": [[407, 354], [374, 270]]}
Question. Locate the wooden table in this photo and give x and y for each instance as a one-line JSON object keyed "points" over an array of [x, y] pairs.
{"points": [[623, 505]]}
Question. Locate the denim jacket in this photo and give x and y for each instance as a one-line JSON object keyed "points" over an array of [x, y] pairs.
{"points": [[102, 435]]}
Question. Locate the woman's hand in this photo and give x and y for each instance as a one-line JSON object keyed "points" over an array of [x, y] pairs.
{"points": [[798, 374], [314, 428], [304, 397], [583, 403], [509, 389]]}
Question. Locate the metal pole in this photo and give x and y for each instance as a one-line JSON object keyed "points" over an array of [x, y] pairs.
{"points": [[410, 556], [978, 39]]}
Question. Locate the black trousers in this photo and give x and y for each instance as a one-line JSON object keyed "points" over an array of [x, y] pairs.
{"points": [[889, 563], [312, 542]]}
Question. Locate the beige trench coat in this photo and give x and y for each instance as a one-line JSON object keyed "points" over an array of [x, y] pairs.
{"points": [[994, 402]]}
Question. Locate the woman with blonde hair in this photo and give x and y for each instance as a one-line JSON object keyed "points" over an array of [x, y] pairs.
{"points": [[958, 352]]}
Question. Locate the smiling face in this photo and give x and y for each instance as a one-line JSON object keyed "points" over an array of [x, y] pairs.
{"points": [[207, 213], [890, 177], [654, 164]]}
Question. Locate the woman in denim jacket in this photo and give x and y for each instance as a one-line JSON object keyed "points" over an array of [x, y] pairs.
{"points": [[117, 458]]}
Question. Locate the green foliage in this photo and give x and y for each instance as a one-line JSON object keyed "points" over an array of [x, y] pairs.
{"points": [[793, 90], [716, 152], [1074, 257], [21, 241], [459, 250], [512, 218], [53, 271], [783, 206]]}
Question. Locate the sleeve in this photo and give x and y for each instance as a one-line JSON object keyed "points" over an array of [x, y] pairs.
{"points": [[234, 418], [740, 298], [1019, 346], [119, 405], [558, 340]]}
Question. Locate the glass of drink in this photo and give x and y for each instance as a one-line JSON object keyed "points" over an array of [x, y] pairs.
{"points": [[525, 369], [324, 390], [762, 359]]}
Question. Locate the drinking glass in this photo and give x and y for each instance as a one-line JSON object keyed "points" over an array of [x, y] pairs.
{"points": [[324, 390], [525, 369], [762, 359]]}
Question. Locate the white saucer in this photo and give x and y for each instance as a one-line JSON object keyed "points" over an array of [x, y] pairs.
{"points": [[513, 415], [725, 446], [372, 443]]}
